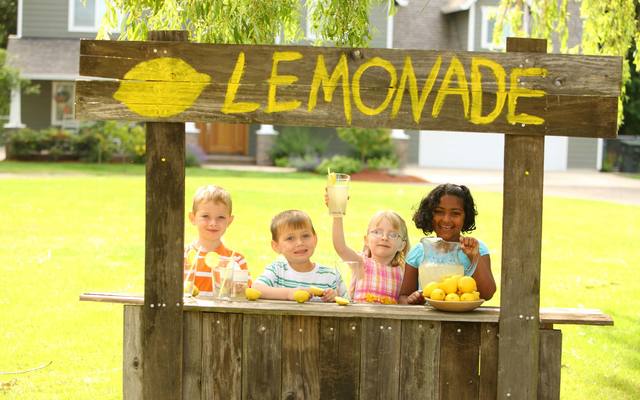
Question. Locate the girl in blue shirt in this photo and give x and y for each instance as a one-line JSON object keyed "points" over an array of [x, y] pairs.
{"points": [[448, 210]]}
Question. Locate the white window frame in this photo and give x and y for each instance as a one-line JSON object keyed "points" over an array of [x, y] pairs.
{"points": [[485, 35], [99, 10], [54, 89], [309, 34]]}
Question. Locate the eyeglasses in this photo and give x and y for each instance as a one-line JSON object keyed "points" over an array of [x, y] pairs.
{"points": [[379, 234]]}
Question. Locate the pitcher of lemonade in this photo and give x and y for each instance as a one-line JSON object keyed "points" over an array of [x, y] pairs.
{"points": [[441, 258]]}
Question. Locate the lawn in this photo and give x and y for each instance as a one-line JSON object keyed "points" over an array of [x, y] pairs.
{"points": [[70, 228]]}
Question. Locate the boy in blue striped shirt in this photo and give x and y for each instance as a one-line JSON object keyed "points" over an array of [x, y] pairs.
{"points": [[293, 237]]}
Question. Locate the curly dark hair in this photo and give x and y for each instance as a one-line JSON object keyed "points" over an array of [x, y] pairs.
{"points": [[423, 216]]}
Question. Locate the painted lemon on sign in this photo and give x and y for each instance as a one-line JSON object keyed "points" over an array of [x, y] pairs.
{"points": [[162, 87]]}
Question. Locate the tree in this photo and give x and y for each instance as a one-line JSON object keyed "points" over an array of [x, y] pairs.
{"points": [[609, 27], [8, 20], [342, 22]]}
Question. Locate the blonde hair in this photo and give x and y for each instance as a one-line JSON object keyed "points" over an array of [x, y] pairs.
{"points": [[398, 223], [212, 193], [293, 219]]}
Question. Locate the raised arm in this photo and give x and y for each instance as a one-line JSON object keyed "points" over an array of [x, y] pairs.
{"points": [[340, 245]]}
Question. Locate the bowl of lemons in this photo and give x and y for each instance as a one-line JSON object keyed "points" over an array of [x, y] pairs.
{"points": [[455, 293]]}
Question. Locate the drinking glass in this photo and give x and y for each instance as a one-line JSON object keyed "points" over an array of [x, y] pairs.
{"points": [[338, 192]]}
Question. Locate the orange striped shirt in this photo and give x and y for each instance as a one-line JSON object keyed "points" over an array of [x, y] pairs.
{"points": [[204, 274]]}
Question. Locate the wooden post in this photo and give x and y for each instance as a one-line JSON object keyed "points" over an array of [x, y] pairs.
{"points": [[521, 246], [164, 248]]}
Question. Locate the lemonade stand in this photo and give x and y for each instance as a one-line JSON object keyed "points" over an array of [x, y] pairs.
{"points": [[268, 349]]}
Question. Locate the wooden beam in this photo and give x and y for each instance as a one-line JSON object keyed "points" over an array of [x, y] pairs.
{"points": [[164, 249], [521, 246], [292, 85]]}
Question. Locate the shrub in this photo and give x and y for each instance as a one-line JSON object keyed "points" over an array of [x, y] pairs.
{"points": [[368, 142], [382, 163], [342, 164], [54, 144], [110, 140], [297, 142]]}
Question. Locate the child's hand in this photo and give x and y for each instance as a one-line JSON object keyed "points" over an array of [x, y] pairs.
{"points": [[470, 247], [328, 295], [416, 298], [326, 198]]}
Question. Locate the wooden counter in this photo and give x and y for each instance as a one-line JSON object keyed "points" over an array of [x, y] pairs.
{"points": [[284, 350]]}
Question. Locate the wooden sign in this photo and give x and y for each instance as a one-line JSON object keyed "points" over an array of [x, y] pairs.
{"points": [[517, 93]]}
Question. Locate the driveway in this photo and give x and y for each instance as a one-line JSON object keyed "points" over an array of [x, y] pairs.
{"points": [[582, 184]]}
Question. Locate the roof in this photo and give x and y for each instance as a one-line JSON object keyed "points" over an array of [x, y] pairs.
{"points": [[453, 6], [44, 59]]}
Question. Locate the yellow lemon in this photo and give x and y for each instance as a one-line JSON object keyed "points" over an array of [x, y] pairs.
{"points": [[191, 256], [162, 87], [467, 284], [341, 301], [316, 291], [331, 179], [452, 297], [476, 295], [196, 291], [437, 294], [252, 294], [212, 259], [301, 296], [449, 285], [467, 297], [426, 292]]}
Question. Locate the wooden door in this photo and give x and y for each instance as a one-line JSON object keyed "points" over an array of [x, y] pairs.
{"points": [[223, 138]]}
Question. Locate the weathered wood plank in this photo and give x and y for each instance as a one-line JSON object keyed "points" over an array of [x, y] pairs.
{"points": [[192, 352], [488, 361], [164, 236], [575, 96], [521, 247], [459, 352], [261, 357], [339, 358], [420, 360], [380, 356], [576, 316], [301, 358], [132, 353], [550, 364], [222, 356]]}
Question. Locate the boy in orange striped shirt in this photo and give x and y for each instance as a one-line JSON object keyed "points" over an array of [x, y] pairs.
{"points": [[211, 214]]}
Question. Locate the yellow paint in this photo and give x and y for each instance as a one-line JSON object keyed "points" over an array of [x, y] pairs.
{"points": [[321, 76], [516, 91], [455, 68], [408, 74], [160, 88], [275, 80], [230, 106], [476, 90], [374, 62]]}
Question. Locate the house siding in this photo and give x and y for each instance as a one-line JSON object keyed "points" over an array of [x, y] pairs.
{"points": [[582, 153], [48, 18], [421, 25], [36, 108]]}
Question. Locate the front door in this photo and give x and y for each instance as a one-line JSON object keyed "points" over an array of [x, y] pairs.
{"points": [[223, 138]]}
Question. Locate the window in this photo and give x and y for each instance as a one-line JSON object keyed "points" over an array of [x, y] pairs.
{"points": [[62, 102], [486, 32], [85, 15]]}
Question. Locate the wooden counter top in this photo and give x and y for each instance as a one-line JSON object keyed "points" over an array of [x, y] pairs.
{"points": [[577, 316]]}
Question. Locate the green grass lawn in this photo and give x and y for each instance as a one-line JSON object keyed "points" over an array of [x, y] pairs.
{"points": [[66, 229]]}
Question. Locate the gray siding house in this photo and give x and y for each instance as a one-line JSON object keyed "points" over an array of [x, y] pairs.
{"points": [[46, 50]]}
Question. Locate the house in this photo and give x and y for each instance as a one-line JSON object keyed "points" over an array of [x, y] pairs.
{"points": [[46, 50]]}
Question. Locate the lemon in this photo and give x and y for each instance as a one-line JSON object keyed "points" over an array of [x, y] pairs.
{"points": [[301, 296], [162, 87], [316, 291], [341, 301], [467, 284], [437, 294], [196, 291], [191, 256], [331, 179], [252, 294], [212, 259], [426, 292], [467, 297], [452, 297], [449, 285], [476, 295]]}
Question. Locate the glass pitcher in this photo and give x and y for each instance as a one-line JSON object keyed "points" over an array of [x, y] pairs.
{"points": [[441, 258]]}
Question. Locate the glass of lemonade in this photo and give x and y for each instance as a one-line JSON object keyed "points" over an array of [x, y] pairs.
{"points": [[338, 193]]}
